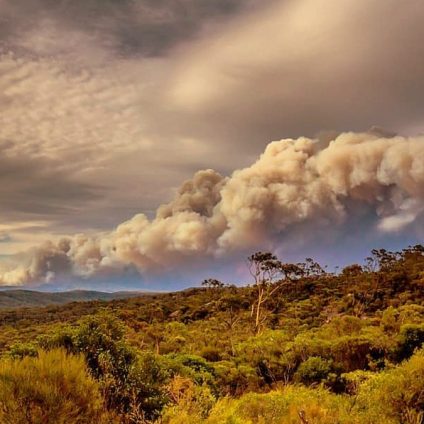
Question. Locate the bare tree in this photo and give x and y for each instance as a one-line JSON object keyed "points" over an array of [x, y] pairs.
{"points": [[270, 275], [265, 269]]}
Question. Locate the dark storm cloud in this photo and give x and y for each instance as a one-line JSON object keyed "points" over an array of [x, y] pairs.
{"points": [[136, 27]]}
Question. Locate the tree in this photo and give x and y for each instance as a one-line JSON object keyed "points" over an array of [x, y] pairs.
{"points": [[271, 275], [266, 270], [352, 270], [309, 268], [212, 283]]}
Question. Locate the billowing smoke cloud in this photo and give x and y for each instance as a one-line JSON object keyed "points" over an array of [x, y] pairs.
{"points": [[294, 183]]}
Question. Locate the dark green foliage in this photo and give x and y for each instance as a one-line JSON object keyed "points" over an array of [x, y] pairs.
{"points": [[129, 381], [313, 370], [20, 350], [411, 338]]}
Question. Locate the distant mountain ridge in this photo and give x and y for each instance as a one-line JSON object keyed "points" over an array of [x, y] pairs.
{"points": [[16, 298]]}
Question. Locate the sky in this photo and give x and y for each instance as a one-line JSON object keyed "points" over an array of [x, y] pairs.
{"points": [[149, 144]]}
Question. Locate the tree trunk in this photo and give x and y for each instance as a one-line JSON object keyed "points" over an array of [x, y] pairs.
{"points": [[258, 312]]}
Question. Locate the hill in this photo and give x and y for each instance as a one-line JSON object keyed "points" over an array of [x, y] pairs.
{"points": [[16, 298]]}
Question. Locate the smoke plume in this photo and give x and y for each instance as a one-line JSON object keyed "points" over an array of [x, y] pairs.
{"points": [[294, 183]]}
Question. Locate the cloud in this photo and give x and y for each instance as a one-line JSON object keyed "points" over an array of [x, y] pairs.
{"points": [[408, 212], [295, 183], [106, 106], [143, 28], [26, 189], [166, 88], [74, 108], [61, 130], [299, 67]]}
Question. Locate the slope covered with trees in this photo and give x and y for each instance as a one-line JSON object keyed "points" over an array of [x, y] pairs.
{"points": [[297, 345], [17, 298]]}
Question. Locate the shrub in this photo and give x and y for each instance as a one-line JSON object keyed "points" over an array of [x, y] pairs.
{"points": [[396, 395], [211, 354], [190, 402], [20, 350], [145, 391], [316, 406], [52, 388], [234, 379], [133, 385], [313, 370], [411, 338]]}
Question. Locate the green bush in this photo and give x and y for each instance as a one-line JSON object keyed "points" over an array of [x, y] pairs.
{"points": [[20, 350], [314, 370], [190, 402], [396, 395], [145, 391], [234, 379], [411, 338], [211, 354], [130, 383], [287, 406]]}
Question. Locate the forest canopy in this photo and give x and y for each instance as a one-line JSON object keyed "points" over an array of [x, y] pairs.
{"points": [[297, 344]]}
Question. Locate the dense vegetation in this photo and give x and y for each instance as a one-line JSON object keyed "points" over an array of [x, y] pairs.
{"points": [[298, 345]]}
